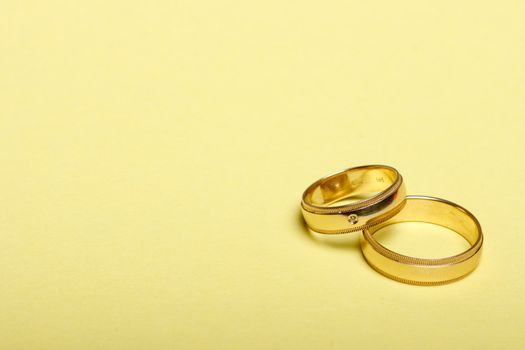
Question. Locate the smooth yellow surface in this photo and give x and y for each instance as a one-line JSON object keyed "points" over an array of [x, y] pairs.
{"points": [[422, 240], [153, 155]]}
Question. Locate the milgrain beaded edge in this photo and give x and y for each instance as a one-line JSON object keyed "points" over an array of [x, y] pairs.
{"points": [[387, 217]]}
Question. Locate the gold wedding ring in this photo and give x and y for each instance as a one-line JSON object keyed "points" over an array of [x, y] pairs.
{"points": [[426, 271], [353, 199]]}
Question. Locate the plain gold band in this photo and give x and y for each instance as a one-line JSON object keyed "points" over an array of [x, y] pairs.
{"points": [[426, 271], [380, 188]]}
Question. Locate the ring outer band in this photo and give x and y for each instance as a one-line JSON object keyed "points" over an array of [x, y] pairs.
{"points": [[369, 212], [420, 271]]}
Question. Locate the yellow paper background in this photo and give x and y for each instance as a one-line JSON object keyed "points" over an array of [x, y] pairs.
{"points": [[153, 154]]}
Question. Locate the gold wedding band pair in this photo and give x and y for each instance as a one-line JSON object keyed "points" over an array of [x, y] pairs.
{"points": [[368, 198]]}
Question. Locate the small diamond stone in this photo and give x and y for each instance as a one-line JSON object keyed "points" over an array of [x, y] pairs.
{"points": [[352, 218]]}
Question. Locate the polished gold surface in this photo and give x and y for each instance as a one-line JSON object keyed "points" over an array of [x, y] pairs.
{"points": [[419, 270], [353, 199]]}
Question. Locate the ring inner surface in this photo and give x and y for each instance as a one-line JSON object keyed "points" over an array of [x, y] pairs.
{"points": [[435, 212], [350, 186]]}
